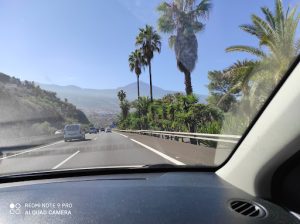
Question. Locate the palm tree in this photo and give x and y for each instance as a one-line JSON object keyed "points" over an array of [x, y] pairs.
{"points": [[142, 105], [239, 76], [122, 95], [149, 41], [136, 63], [124, 104], [276, 32], [240, 73], [181, 19]]}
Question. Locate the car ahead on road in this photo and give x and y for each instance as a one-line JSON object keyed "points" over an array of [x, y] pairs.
{"points": [[73, 132], [93, 131], [108, 130], [102, 129]]}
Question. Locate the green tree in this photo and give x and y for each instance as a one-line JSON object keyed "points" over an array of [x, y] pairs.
{"points": [[142, 105], [124, 104], [122, 95], [182, 20], [136, 63], [140, 118], [174, 112], [125, 107], [149, 42], [240, 74], [277, 33], [237, 79], [220, 87]]}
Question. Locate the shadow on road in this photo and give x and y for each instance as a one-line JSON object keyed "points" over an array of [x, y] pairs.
{"points": [[85, 140], [18, 147]]}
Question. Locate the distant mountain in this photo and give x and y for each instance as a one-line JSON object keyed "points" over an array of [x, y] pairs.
{"points": [[131, 90], [105, 101]]}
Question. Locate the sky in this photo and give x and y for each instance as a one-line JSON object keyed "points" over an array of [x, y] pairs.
{"points": [[87, 42]]}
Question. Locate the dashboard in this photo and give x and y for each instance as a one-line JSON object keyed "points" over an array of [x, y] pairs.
{"points": [[169, 197]]}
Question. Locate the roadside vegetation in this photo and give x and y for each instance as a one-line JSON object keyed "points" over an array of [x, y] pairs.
{"points": [[236, 93]]}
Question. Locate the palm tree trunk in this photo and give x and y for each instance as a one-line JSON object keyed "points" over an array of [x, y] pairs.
{"points": [[138, 90], [188, 82], [150, 75], [138, 85], [192, 129]]}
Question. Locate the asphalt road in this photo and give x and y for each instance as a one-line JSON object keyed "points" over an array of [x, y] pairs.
{"points": [[99, 150], [104, 149]]}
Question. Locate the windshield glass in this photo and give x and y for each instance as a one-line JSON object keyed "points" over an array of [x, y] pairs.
{"points": [[72, 128], [157, 82]]}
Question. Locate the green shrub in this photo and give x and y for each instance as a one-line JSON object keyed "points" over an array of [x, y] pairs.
{"points": [[43, 128]]}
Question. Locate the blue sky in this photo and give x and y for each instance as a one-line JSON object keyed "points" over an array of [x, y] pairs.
{"points": [[86, 43]]}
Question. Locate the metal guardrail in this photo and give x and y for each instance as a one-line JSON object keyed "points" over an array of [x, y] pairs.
{"points": [[199, 136]]}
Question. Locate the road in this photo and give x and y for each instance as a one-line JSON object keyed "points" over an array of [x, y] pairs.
{"points": [[103, 149]]}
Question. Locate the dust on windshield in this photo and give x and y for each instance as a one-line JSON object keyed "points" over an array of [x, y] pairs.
{"points": [[147, 82]]}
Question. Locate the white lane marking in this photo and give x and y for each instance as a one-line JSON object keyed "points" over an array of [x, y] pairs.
{"points": [[159, 153], [70, 157], [95, 138], [122, 135], [20, 153]]}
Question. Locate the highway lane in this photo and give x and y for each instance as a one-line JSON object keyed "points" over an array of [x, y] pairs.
{"points": [[103, 149], [185, 152]]}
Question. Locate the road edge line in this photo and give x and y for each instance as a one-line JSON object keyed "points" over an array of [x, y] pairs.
{"points": [[175, 161], [66, 160], [41, 147], [125, 136]]}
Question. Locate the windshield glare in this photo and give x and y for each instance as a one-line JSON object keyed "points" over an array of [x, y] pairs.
{"points": [[124, 83]]}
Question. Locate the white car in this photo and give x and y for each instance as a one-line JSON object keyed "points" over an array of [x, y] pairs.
{"points": [[73, 132], [108, 129], [58, 132]]}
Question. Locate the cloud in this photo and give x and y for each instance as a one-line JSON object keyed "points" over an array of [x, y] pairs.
{"points": [[140, 9]]}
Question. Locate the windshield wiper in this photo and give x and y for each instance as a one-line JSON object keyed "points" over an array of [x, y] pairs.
{"points": [[173, 166], [161, 165]]}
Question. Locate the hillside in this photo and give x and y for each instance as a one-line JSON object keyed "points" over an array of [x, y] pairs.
{"points": [[26, 109]]}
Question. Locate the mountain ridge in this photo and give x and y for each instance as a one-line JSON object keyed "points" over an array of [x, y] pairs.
{"points": [[105, 100]]}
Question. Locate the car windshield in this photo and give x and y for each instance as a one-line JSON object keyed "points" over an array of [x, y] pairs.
{"points": [[150, 83], [72, 128]]}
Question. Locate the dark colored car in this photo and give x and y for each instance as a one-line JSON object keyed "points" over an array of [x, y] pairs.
{"points": [[92, 131]]}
